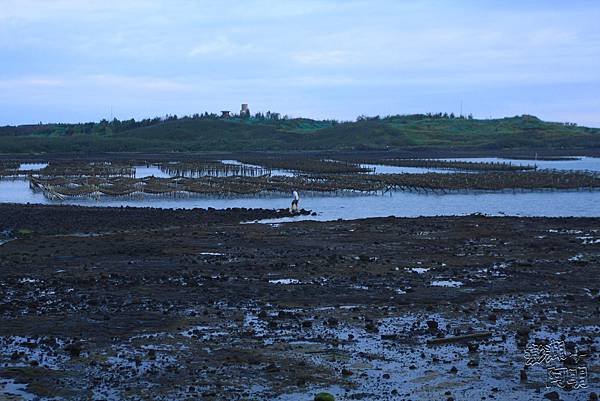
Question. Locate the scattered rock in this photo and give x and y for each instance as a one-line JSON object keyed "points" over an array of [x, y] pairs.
{"points": [[523, 375], [324, 397], [271, 368], [371, 328], [74, 349], [553, 395]]}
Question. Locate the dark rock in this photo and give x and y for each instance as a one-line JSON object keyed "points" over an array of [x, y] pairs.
{"points": [[74, 349], [272, 368], [523, 375], [371, 328], [553, 395]]}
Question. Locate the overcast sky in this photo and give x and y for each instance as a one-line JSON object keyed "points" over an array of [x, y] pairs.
{"points": [[71, 60]]}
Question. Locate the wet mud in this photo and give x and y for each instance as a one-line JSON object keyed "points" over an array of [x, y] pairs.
{"points": [[150, 304]]}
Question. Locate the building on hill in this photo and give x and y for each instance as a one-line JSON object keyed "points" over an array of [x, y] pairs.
{"points": [[225, 114], [245, 111]]}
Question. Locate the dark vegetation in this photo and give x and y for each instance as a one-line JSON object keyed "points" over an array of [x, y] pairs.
{"points": [[208, 132]]}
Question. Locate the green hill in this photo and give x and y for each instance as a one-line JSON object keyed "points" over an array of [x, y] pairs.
{"points": [[200, 133]]}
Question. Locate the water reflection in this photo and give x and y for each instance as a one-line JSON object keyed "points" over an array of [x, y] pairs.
{"points": [[580, 163], [329, 207]]}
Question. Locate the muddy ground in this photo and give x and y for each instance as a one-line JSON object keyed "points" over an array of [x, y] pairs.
{"points": [[147, 304]]}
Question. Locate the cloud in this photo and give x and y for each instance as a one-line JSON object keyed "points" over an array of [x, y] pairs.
{"points": [[220, 46], [146, 51], [325, 57], [135, 83], [30, 82]]}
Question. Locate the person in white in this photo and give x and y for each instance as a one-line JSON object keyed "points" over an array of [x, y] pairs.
{"points": [[295, 201]]}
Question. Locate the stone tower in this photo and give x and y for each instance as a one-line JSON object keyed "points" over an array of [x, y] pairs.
{"points": [[245, 111]]}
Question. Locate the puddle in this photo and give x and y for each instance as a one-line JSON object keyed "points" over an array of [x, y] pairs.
{"points": [[5, 241], [285, 281], [446, 283], [16, 351], [419, 270], [32, 166], [9, 388]]}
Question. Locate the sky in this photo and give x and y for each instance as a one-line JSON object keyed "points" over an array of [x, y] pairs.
{"points": [[84, 60]]}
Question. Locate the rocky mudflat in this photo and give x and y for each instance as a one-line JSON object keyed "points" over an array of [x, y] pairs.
{"points": [[150, 304]]}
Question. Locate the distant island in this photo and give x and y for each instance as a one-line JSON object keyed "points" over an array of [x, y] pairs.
{"points": [[273, 132]]}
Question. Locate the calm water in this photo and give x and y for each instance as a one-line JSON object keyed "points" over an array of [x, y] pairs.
{"points": [[32, 166], [408, 204], [582, 163], [383, 169], [329, 207], [154, 170]]}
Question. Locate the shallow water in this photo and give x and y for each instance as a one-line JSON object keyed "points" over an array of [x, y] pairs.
{"points": [[582, 163], [150, 171], [383, 169], [329, 207], [153, 170], [353, 206], [32, 166]]}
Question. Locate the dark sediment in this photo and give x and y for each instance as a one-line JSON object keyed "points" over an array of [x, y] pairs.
{"points": [[175, 304]]}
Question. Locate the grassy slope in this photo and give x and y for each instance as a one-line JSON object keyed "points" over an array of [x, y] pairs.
{"points": [[302, 134]]}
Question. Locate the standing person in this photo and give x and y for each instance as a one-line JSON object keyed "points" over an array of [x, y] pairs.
{"points": [[295, 201]]}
